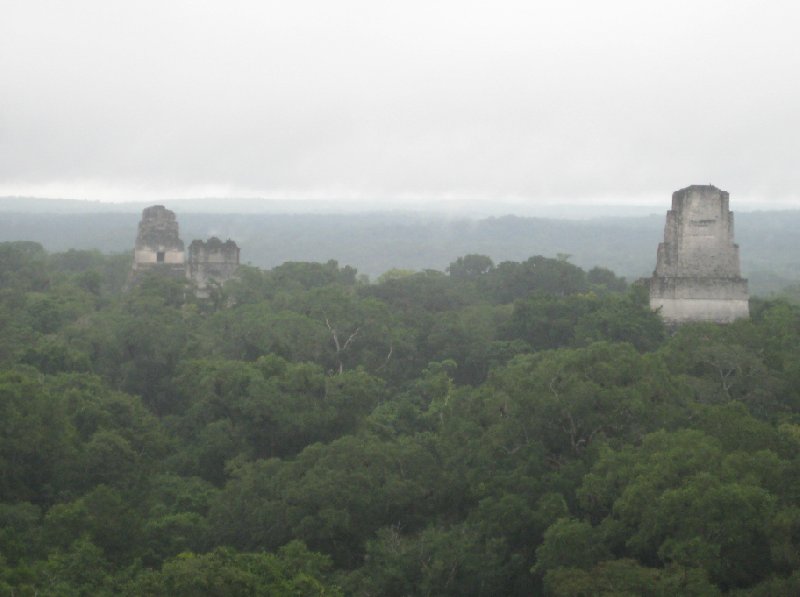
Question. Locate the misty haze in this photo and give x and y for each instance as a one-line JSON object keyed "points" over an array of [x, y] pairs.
{"points": [[394, 299]]}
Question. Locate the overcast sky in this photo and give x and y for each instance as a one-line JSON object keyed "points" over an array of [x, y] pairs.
{"points": [[561, 101]]}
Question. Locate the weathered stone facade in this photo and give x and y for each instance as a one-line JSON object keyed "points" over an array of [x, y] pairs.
{"points": [[159, 248], [211, 262], [697, 276], [158, 244]]}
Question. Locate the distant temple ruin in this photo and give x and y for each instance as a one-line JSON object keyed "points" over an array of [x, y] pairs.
{"points": [[159, 248], [211, 262], [158, 244], [697, 275]]}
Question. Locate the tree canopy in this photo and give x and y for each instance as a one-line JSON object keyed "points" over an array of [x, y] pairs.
{"points": [[519, 428]]}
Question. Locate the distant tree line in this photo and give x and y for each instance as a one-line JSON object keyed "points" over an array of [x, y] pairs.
{"points": [[378, 242]]}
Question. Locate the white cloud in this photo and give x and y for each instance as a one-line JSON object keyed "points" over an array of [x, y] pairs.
{"points": [[362, 99]]}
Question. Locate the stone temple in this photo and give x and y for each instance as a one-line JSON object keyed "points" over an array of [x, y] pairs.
{"points": [[158, 244], [159, 248], [210, 262], [697, 276]]}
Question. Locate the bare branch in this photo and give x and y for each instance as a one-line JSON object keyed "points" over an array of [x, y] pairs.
{"points": [[388, 356], [350, 339], [333, 333]]}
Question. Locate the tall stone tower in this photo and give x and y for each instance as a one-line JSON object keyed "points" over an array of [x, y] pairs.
{"points": [[158, 244], [697, 275]]}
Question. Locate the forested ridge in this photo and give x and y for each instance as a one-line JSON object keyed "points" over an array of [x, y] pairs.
{"points": [[377, 242], [519, 428]]}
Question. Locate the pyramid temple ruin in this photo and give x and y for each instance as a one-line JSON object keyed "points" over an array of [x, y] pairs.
{"points": [[697, 275], [159, 248], [158, 243]]}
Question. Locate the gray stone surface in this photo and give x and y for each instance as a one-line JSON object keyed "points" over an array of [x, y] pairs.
{"points": [[158, 244], [697, 275], [159, 248], [211, 262]]}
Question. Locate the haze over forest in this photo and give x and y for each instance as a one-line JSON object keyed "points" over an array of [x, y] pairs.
{"points": [[375, 242], [441, 116]]}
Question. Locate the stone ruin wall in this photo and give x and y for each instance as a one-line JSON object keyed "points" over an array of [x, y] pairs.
{"points": [[698, 237], [697, 275], [159, 248], [211, 262], [158, 244]]}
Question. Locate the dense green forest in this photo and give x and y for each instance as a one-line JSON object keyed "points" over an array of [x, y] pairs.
{"points": [[518, 428]]}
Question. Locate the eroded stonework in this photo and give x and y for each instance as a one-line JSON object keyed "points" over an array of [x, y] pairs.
{"points": [[158, 243], [160, 248], [211, 262], [697, 276]]}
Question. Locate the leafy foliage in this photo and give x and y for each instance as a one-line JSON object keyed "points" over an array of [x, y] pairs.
{"points": [[512, 428]]}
